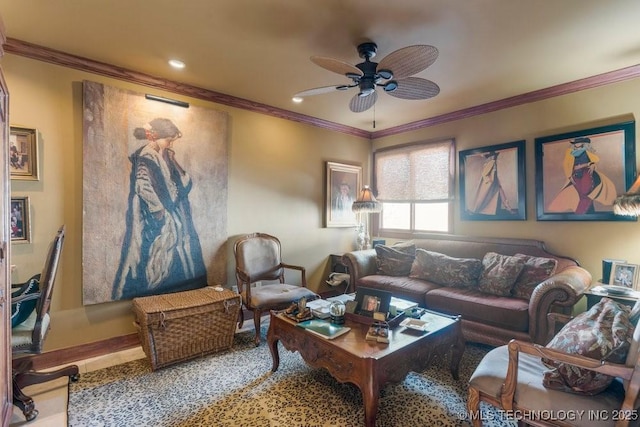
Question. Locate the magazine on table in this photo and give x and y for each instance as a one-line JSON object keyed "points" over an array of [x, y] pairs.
{"points": [[323, 328]]}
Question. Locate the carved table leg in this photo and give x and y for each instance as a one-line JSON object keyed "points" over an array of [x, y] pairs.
{"points": [[456, 355], [272, 342], [370, 396]]}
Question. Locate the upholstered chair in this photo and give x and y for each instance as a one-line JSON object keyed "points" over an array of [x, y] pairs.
{"points": [[30, 331], [511, 377], [258, 258]]}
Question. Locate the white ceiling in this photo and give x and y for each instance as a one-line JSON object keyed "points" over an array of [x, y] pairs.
{"points": [[259, 49]]}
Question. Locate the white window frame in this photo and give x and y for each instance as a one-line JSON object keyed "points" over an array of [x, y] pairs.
{"points": [[378, 230]]}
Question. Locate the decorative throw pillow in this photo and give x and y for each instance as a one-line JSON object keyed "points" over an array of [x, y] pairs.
{"points": [[22, 310], [499, 273], [395, 260], [535, 271], [445, 270], [603, 333]]}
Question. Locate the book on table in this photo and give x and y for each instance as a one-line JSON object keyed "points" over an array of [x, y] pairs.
{"points": [[323, 328]]}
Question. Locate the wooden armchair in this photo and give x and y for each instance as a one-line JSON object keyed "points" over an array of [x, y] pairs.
{"points": [[28, 337], [510, 378], [258, 258]]}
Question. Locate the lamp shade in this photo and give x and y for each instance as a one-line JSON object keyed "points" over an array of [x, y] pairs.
{"points": [[366, 202], [629, 203]]}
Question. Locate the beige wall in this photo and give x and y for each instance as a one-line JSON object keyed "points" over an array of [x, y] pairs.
{"points": [[276, 185], [276, 180], [588, 242]]}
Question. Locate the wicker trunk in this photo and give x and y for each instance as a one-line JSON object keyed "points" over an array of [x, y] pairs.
{"points": [[185, 325]]}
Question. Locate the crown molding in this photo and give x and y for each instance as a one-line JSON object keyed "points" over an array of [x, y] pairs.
{"points": [[45, 54]]}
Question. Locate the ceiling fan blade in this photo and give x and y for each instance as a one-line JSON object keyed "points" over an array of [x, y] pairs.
{"points": [[336, 65], [415, 88], [409, 60], [320, 90], [359, 103]]}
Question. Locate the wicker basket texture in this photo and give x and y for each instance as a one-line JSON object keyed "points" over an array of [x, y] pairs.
{"points": [[185, 325]]}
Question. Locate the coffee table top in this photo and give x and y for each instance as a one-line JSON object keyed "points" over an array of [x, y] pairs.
{"points": [[354, 341]]}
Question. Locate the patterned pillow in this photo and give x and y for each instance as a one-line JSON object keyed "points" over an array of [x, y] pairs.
{"points": [[499, 273], [22, 310], [603, 333], [535, 271], [445, 270], [395, 260]]}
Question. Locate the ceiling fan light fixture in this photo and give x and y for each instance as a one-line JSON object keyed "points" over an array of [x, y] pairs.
{"points": [[366, 92], [390, 86], [385, 74]]}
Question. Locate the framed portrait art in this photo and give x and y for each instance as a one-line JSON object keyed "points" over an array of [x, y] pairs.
{"points": [[579, 174], [20, 220], [492, 182], [23, 153], [625, 275], [343, 183]]}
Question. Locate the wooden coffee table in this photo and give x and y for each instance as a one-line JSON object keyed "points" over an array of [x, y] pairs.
{"points": [[370, 365]]}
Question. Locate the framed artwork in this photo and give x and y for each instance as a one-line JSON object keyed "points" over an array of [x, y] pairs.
{"points": [[492, 182], [579, 174], [625, 275], [23, 153], [370, 301], [20, 220], [343, 184]]}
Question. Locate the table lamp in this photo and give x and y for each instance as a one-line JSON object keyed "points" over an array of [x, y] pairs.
{"points": [[365, 204]]}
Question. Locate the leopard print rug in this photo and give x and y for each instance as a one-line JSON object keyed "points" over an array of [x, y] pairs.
{"points": [[237, 388]]}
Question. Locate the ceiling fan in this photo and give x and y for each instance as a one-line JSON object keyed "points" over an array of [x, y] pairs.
{"points": [[392, 74]]}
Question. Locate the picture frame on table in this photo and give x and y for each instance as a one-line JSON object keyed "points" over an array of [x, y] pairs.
{"points": [[624, 275], [370, 301], [20, 220], [492, 182], [579, 174], [23, 153], [342, 186]]}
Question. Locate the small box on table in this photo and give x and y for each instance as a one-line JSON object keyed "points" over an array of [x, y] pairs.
{"points": [[184, 325]]}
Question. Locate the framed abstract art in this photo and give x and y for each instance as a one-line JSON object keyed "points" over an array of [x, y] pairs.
{"points": [[492, 182], [580, 174]]}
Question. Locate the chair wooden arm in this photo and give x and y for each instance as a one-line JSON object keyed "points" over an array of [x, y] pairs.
{"points": [[516, 346], [302, 271]]}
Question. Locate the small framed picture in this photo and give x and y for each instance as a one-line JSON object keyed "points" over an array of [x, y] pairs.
{"points": [[23, 153], [20, 220], [625, 275], [371, 301], [343, 184]]}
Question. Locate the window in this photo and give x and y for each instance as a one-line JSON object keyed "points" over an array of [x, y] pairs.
{"points": [[415, 185]]}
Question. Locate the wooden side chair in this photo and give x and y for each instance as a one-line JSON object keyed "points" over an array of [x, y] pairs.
{"points": [[258, 258], [510, 377], [27, 337]]}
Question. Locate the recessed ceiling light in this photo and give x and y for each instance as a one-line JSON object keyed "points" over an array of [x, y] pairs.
{"points": [[297, 99], [176, 64]]}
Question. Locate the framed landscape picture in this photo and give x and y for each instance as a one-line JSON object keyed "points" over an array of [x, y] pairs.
{"points": [[23, 153], [580, 174], [20, 220], [492, 182], [343, 184]]}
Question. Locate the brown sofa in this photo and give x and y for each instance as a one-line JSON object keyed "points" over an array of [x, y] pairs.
{"points": [[486, 318]]}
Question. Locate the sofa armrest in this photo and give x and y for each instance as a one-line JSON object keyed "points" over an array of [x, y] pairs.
{"points": [[562, 290], [360, 264]]}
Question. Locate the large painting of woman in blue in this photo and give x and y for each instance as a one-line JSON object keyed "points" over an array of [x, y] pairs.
{"points": [[161, 250]]}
